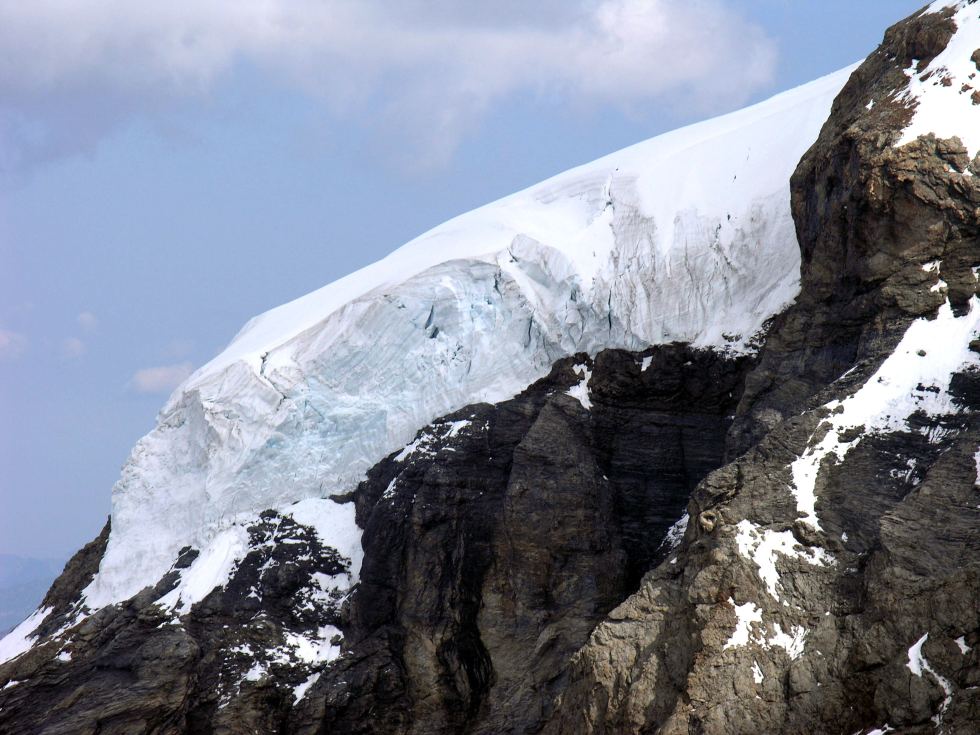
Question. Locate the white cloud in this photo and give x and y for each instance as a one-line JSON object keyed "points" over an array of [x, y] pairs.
{"points": [[12, 344], [87, 321], [72, 70], [162, 379], [72, 347]]}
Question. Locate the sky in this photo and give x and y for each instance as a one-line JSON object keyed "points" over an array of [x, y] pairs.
{"points": [[169, 170]]}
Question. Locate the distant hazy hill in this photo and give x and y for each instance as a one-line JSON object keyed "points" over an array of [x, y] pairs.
{"points": [[23, 582]]}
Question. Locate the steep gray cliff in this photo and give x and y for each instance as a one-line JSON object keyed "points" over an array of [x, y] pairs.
{"points": [[491, 555]]}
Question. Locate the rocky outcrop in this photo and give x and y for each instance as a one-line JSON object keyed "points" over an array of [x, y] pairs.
{"points": [[497, 542], [771, 622], [707, 645], [870, 217], [225, 666]]}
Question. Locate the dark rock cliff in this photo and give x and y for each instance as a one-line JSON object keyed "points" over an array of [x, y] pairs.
{"points": [[492, 552], [528, 566], [868, 217]]}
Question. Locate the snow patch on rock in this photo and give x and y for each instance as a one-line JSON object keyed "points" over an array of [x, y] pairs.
{"points": [[761, 545], [22, 637], [918, 664], [580, 391], [334, 526], [914, 378], [748, 629], [943, 91], [212, 567], [256, 673], [746, 615], [300, 691], [675, 534], [423, 444], [315, 649], [792, 642]]}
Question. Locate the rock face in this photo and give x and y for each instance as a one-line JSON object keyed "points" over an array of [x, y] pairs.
{"points": [[494, 548], [869, 216], [494, 543], [789, 625], [132, 668], [528, 566]]}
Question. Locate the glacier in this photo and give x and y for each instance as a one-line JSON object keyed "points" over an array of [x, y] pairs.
{"points": [[685, 237]]}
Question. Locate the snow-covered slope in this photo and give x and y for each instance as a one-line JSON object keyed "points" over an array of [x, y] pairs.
{"points": [[687, 237]]}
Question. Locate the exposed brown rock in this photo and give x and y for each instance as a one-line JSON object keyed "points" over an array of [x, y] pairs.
{"points": [[868, 216]]}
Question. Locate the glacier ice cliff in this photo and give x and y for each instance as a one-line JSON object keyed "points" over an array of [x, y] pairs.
{"points": [[685, 237]]}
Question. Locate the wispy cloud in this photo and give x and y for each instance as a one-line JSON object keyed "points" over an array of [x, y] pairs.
{"points": [[87, 321], [71, 71], [12, 344], [161, 379], [72, 347]]}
